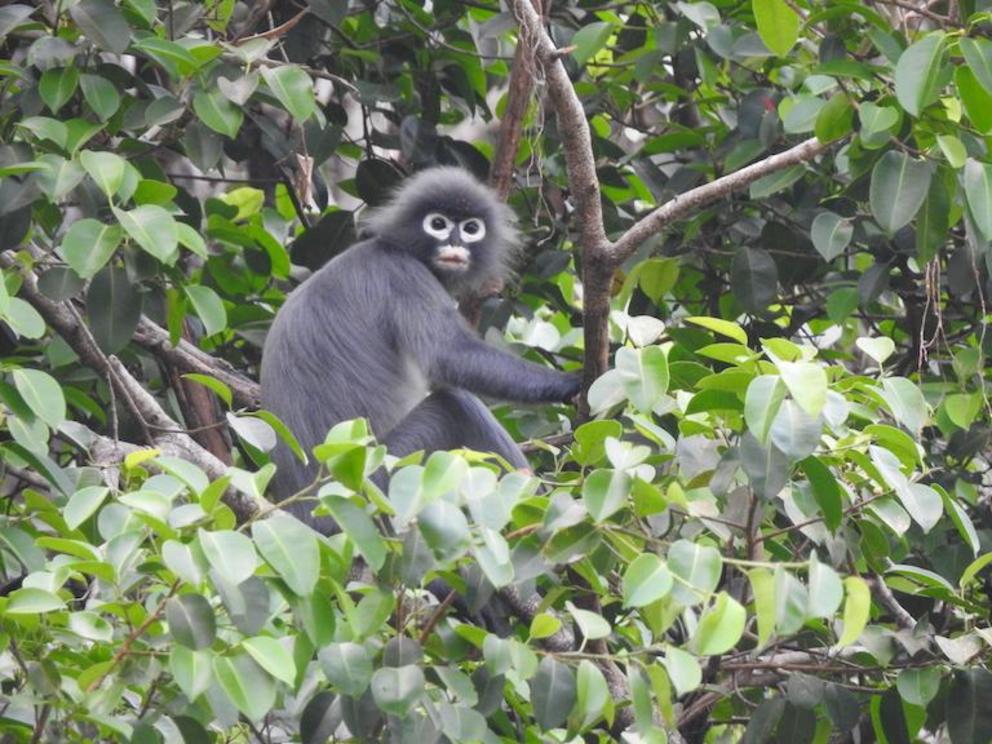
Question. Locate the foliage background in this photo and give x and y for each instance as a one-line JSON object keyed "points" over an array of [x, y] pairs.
{"points": [[761, 228]]}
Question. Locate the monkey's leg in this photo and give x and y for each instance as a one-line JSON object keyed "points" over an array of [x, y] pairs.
{"points": [[450, 419]]}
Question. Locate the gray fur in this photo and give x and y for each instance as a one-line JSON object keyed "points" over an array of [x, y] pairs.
{"points": [[377, 329]]}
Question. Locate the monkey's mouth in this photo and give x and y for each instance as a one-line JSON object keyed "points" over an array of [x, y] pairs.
{"points": [[452, 258]]}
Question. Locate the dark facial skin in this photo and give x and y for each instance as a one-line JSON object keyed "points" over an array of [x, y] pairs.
{"points": [[377, 333]]}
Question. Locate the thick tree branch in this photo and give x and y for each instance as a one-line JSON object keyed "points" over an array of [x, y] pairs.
{"points": [[575, 137], [160, 427], [692, 201], [189, 358], [600, 257]]}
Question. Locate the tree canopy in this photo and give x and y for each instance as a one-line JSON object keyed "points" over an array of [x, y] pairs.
{"points": [[761, 228]]}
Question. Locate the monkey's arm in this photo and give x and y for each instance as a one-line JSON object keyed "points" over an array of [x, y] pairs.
{"points": [[464, 361], [428, 327]]}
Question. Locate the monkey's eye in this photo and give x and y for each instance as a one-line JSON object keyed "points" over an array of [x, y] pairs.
{"points": [[437, 225], [472, 230]]}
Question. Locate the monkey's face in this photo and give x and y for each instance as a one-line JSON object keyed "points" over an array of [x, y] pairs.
{"points": [[451, 241]]}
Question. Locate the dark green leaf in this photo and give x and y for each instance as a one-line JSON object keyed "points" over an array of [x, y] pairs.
{"points": [[552, 692], [113, 306], [103, 24]]}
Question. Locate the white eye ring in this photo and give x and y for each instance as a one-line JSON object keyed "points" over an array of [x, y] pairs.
{"points": [[477, 225], [433, 227]]}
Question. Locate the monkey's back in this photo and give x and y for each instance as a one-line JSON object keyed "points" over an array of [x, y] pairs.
{"points": [[331, 355]]}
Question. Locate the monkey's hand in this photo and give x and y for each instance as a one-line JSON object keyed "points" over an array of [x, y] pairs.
{"points": [[572, 387]]}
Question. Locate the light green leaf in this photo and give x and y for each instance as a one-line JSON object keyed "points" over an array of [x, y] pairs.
{"points": [[230, 553], [978, 189], [83, 504], [105, 168], [209, 306], [42, 394], [807, 383], [273, 657], [218, 113], [720, 627], [589, 39], [857, 606], [646, 580], [32, 601], [778, 25], [88, 245], [246, 684], [291, 548], [154, 229]]}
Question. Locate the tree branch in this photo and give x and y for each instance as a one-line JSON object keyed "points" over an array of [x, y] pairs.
{"points": [[160, 427], [576, 140], [691, 201], [189, 358]]}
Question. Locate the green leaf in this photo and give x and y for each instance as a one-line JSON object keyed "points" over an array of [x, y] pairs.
{"points": [[246, 684], [807, 384], [291, 548], [723, 327], [764, 396], [720, 627], [57, 86], [191, 670], [968, 713], [857, 606], [918, 686], [113, 305], [906, 402], [826, 491], [230, 553], [778, 25], [763, 588], [683, 669], [31, 601], [918, 73], [191, 620], [88, 245], [646, 580], [12, 16], [397, 689], [361, 530], [644, 375], [347, 667], [103, 24], [218, 113], [697, 570], [91, 626], [101, 95], [552, 692], [222, 390], [978, 54], [605, 492], [825, 590], [754, 279], [589, 39], [835, 120], [42, 394], [973, 568], [154, 229], [592, 692], [105, 168], [899, 184], [273, 657], [25, 321], [83, 504], [831, 234], [978, 189], [293, 88], [208, 306]]}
